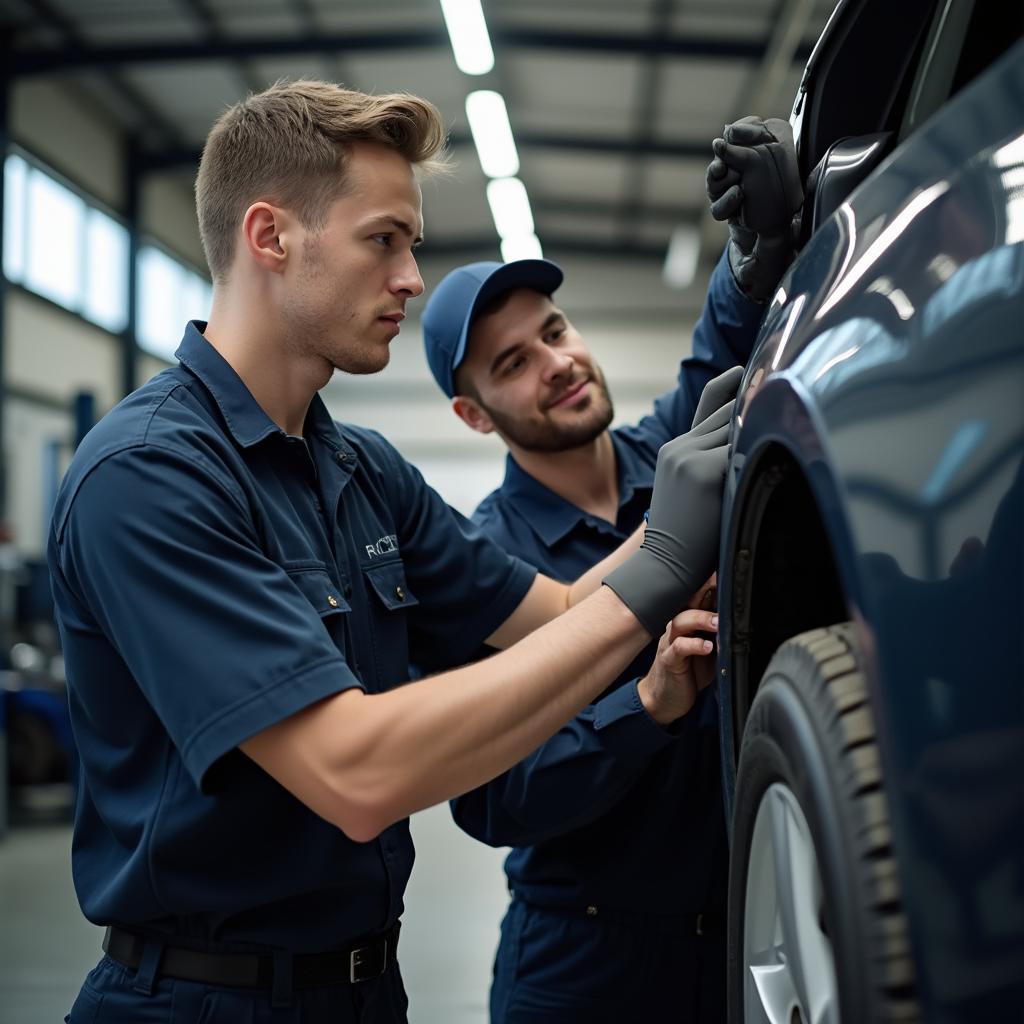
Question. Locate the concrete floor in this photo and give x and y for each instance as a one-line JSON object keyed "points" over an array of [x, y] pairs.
{"points": [[457, 893]]}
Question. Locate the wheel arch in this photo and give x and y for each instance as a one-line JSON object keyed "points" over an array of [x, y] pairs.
{"points": [[784, 576]]}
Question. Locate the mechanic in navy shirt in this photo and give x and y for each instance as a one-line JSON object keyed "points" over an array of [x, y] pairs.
{"points": [[240, 581], [618, 866]]}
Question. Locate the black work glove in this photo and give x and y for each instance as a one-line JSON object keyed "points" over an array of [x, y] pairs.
{"points": [[753, 182], [680, 546]]}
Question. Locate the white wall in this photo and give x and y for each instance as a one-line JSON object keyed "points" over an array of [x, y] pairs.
{"points": [[50, 354]]}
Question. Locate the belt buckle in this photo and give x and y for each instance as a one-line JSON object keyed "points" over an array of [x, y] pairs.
{"points": [[368, 962]]}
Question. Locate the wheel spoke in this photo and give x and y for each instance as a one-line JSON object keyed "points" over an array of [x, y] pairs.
{"points": [[773, 984], [789, 957], [769, 995], [817, 969], [787, 847]]}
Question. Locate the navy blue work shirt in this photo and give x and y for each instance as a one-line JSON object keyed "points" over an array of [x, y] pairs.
{"points": [[213, 576], [615, 811]]}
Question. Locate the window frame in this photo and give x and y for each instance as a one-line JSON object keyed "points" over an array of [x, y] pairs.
{"points": [[79, 305], [193, 275]]}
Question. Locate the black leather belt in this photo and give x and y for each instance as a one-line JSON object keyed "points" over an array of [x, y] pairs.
{"points": [[369, 959]]}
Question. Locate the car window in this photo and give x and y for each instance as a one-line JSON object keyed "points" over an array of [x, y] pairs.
{"points": [[965, 38], [860, 72]]}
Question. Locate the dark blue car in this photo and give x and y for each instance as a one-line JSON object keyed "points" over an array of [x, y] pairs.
{"points": [[871, 582]]}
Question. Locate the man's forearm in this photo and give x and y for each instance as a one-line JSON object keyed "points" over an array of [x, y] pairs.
{"points": [[548, 599], [364, 761], [590, 582]]}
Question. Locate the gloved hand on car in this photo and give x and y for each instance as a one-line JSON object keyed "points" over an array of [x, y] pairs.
{"points": [[680, 545], [754, 184]]}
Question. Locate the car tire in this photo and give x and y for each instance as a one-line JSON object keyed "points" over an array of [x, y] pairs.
{"points": [[816, 929]]}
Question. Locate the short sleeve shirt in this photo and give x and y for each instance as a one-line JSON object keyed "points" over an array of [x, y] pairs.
{"points": [[212, 576]]}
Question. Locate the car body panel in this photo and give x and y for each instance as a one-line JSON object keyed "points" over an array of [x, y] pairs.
{"points": [[890, 367]]}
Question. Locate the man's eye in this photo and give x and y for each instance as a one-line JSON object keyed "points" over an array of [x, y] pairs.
{"points": [[513, 364], [555, 335], [382, 239]]}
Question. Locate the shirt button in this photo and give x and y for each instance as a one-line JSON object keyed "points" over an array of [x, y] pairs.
{"points": [[341, 456], [348, 590], [400, 593], [591, 911], [332, 600]]}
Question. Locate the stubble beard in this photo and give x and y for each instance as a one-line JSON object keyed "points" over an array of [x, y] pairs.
{"points": [[311, 328], [549, 436]]}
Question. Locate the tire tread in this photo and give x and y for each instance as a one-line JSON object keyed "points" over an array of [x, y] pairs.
{"points": [[842, 694]]}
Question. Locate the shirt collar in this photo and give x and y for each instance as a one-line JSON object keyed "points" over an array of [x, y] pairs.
{"points": [[244, 416], [548, 513], [636, 473]]}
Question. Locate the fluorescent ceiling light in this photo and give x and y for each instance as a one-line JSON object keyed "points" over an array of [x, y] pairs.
{"points": [[681, 258], [510, 207], [468, 33], [492, 133], [521, 247]]}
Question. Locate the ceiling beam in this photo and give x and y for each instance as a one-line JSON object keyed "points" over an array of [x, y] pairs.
{"points": [[200, 10], [75, 57], [607, 209], [688, 149], [645, 115], [150, 117], [487, 247]]}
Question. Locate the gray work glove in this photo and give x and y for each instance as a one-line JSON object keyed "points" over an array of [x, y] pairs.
{"points": [[716, 393], [680, 546], [753, 182]]}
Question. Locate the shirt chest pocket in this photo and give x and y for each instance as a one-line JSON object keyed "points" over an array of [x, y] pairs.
{"points": [[325, 595], [387, 581], [390, 598]]}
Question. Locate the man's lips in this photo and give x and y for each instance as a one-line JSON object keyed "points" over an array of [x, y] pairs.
{"points": [[574, 393], [393, 322]]}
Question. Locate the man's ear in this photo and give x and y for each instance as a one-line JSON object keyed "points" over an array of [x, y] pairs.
{"points": [[264, 229], [472, 414]]}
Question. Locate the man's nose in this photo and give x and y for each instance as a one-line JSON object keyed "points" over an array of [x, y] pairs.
{"points": [[408, 279], [557, 364]]}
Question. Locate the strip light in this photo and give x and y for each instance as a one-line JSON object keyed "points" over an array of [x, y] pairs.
{"points": [[492, 133], [510, 207], [521, 247], [467, 30]]}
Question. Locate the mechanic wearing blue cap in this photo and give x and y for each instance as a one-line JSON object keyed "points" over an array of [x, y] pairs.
{"points": [[619, 862]]}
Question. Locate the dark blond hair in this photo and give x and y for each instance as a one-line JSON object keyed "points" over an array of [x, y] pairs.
{"points": [[289, 144]]}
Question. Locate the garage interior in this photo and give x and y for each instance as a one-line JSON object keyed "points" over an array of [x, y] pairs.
{"points": [[104, 105]]}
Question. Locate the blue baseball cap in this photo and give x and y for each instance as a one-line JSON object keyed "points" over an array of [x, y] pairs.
{"points": [[450, 311]]}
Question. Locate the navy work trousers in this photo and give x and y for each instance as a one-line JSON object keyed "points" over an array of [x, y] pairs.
{"points": [[559, 967], [111, 995]]}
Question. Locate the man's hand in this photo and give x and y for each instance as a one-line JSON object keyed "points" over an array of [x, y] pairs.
{"points": [[753, 182], [682, 667], [680, 544]]}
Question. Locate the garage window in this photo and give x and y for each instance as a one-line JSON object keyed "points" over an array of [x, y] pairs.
{"points": [[59, 243]]}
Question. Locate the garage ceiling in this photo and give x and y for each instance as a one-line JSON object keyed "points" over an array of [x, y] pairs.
{"points": [[613, 102]]}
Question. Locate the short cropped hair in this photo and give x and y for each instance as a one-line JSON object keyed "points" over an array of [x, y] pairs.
{"points": [[289, 145]]}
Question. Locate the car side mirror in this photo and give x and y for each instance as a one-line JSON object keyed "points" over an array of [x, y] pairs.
{"points": [[846, 163]]}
